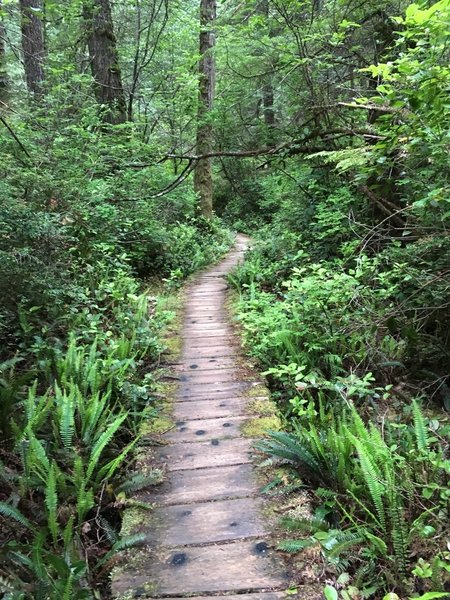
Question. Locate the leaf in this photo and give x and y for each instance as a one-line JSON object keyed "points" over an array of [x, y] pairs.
{"points": [[420, 428], [6, 510], [431, 596], [51, 502], [330, 593], [101, 444]]}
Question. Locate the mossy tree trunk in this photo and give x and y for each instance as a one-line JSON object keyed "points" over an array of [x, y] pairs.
{"points": [[3, 71], [33, 45], [267, 85], [104, 60], [203, 182]]}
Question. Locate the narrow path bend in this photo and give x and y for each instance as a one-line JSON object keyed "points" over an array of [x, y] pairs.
{"points": [[207, 536]]}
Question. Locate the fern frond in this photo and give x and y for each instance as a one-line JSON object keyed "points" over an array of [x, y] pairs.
{"points": [[372, 478], [111, 533], [349, 540], [6, 586], [51, 502], [65, 408], [399, 530], [108, 470], [305, 524], [139, 481], [293, 546], [67, 595], [10, 512], [291, 448], [420, 428], [130, 541], [101, 444]]}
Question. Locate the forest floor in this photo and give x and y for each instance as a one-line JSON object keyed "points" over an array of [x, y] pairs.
{"points": [[208, 533]]}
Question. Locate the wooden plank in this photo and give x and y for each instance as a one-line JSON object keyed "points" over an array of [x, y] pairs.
{"points": [[304, 592], [199, 409], [205, 523], [211, 352], [189, 392], [210, 377], [193, 333], [226, 341], [255, 596], [205, 570], [205, 364], [214, 453], [206, 429], [200, 485]]}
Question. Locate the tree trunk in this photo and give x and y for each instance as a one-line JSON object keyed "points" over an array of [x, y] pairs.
{"points": [[104, 60], [33, 44], [3, 72], [203, 182], [267, 86]]}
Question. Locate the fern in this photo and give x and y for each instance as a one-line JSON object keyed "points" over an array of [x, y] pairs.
{"points": [[10, 512], [101, 444], [130, 541], [291, 448], [109, 530], [65, 408], [67, 594], [293, 546], [305, 524], [139, 481], [347, 159], [345, 541], [372, 478], [51, 502], [68, 532], [420, 428], [108, 470], [399, 531], [6, 587]]}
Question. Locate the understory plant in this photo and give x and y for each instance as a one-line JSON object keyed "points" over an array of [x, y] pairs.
{"points": [[67, 467], [380, 503]]}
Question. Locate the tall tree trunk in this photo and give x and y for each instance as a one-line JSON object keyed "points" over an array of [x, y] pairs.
{"points": [[33, 44], [203, 182], [3, 72], [267, 86], [104, 60]]}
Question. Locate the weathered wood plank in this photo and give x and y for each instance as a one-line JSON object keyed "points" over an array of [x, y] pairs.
{"points": [[206, 429], [213, 453], [222, 407], [205, 570], [205, 523], [201, 485]]}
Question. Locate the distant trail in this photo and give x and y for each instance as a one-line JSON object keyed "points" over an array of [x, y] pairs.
{"points": [[207, 536]]}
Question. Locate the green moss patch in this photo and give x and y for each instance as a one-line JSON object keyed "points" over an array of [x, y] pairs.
{"points": [[257, 391], [258, 426], [262, 406]]}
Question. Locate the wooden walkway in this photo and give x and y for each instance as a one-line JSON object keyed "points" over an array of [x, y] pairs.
{"points": [[207, 536]]}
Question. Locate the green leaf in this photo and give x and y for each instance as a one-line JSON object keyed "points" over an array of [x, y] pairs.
{"points": [[431, 596], [8, 511], [330, 593]]}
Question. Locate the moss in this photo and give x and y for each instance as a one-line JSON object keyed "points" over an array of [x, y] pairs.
{"points": [[262, 406], [167, 390], [258, 426], [134, 519], [157, 425], [258, 390], [174, 345]]}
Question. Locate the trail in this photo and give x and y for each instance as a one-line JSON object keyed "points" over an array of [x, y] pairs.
{"points": [[207, 536]]}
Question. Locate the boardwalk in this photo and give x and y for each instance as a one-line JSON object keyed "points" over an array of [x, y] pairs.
{"points": [[207, 535]]}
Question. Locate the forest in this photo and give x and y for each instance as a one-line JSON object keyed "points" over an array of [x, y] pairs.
{"points": [[136, 138]]}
